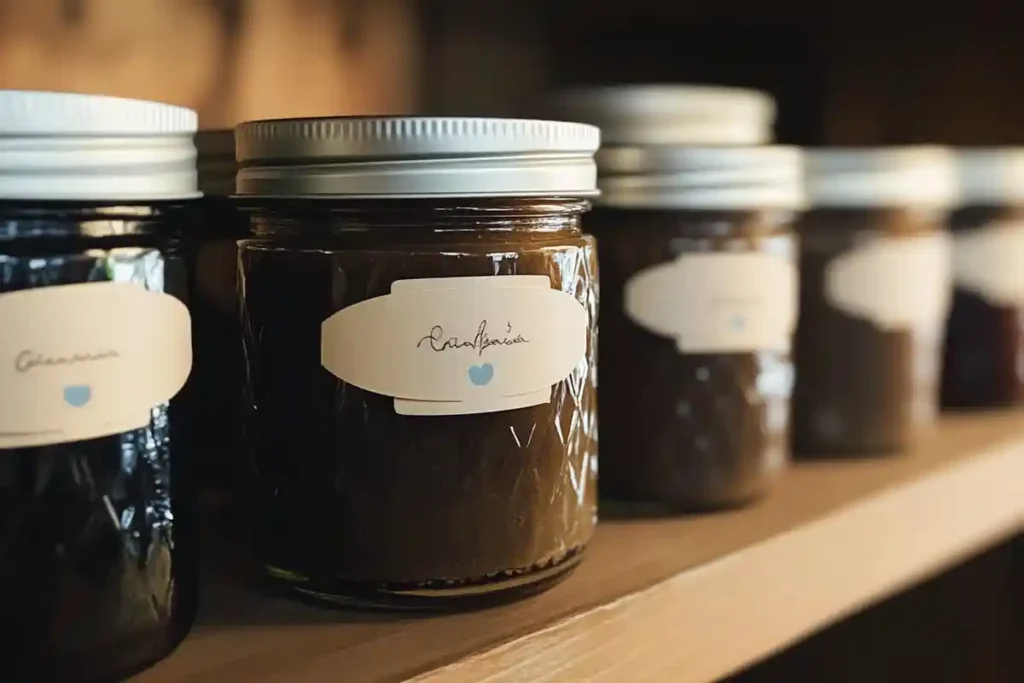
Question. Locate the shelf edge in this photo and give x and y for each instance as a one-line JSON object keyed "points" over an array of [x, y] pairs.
{"points": [[708, 622]]}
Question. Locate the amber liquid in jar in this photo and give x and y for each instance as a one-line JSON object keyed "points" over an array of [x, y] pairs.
{"points": [[97, 564], [863, 385], [357, 504], [686, 430], [983, 361]]}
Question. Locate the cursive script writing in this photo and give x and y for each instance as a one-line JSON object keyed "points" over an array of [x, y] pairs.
{"points": [[30, 360], [480, 343]]}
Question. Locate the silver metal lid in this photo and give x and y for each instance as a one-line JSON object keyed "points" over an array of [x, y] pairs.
{"points": [[991, 175], [416, 157], [695, 115], [702, 177], [923, 176], [67, 146], [216, 163]]}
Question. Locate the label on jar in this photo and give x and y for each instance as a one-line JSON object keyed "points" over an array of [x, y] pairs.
{"points": [[87, 360], [989, 261], [717, 302], [458, 346], [895, 283]]}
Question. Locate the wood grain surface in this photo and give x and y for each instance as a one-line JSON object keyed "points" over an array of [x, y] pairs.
{"points": [[684, 599]]}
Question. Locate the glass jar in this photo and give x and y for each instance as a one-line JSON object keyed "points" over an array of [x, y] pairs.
{"points": [[218, 372], [698, 259], [874, 269], [98, 564], [419, 308], [984, 353]]}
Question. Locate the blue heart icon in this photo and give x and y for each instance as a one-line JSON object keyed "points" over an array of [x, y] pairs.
{"points": [[481, 374], [77, 395]]}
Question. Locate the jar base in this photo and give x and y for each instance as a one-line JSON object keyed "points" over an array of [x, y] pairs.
{"points": [[979, 405], [624, 507], [427, 596], [849, 452]]}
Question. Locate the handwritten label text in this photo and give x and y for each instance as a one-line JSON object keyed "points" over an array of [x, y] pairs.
{"points": [[439, 341], [29, 360]]}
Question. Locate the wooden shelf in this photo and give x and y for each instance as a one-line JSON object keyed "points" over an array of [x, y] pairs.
{"points": [[677, 600]]}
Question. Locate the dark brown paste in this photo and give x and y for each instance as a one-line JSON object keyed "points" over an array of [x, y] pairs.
{"points": [[356, 503], [859, 389], [695, 430], [984, 341]]}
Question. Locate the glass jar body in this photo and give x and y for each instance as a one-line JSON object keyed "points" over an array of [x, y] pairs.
{"points": [[218, 374], [98, 568], [982, 362], [358, 504], [701, 425], [874, 296]]}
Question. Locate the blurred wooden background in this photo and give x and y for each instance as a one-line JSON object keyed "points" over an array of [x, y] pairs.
{"points": [[872, 72], [229, 59]]}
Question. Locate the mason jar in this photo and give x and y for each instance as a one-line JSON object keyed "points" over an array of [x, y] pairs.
{"points": [[984, 350], [875, 289], [699, 302], [419, 307], [98, 562]]}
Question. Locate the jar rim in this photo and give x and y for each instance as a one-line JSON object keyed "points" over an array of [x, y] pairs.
{"points": [[415, 156], [990, 175], [671, 114], [73, 146], [851, 177], [720, 177]]}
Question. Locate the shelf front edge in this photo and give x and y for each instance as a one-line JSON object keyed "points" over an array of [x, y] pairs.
{"points": [[707, 622]]}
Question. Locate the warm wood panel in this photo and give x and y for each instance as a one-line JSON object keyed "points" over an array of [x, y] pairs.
{"points": [[678, 600], [230, 59]]}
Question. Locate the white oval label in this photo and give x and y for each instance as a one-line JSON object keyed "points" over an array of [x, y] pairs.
{"points": [[454, 346], [88, 360], [894, 282], [989, 261], [718, 302]]}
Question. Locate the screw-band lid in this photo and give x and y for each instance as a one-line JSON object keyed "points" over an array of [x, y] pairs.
{"points": [[923, 176], [991, 175], [416, 156], [727, 178], [696, 115], [70, 146]]}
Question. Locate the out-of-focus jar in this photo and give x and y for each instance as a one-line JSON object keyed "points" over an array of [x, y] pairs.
{"points": [[419, 309], [984, 354], [875, 292], [699, 293], [218, 373], [698, 269], [97, 565]]}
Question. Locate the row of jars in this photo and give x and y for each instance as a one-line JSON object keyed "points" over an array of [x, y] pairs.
{"points": [[380, 335]]}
